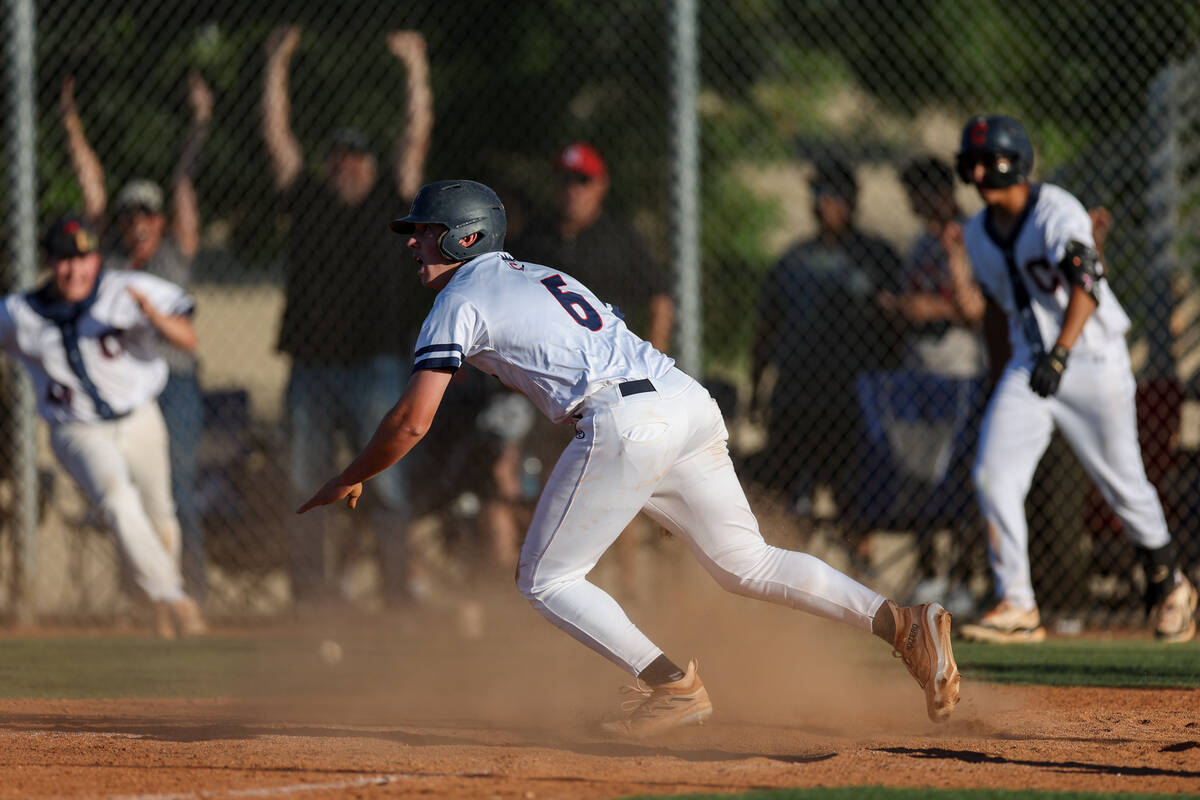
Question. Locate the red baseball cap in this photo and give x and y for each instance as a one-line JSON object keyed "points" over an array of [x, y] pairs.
{"points": [[582, 159]]}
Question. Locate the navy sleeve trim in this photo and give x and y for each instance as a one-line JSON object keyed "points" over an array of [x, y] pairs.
{"points": [[454, 348], [451, 364]]}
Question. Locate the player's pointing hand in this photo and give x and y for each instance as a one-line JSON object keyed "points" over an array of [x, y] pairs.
{"points": [[333, 491]]}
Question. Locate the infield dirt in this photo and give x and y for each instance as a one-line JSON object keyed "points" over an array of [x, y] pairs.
{"points": [[416, 707]]}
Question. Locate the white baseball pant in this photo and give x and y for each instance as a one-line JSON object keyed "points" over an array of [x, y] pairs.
{"points": [[1096, 411], [123, 467], [663, 451]]}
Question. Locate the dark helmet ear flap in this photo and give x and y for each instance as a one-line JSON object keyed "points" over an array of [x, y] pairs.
{"points": [[464, 207]]}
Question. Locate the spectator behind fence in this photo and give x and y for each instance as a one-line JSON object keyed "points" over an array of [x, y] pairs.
{"points": [[938, 298], [351, 313], [142, 239], [943, 355], [819, 327], [89, 340], [600, 248], [1056, 346]]}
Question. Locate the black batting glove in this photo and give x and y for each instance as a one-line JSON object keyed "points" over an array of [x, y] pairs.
{"points": [[1046, 375]]}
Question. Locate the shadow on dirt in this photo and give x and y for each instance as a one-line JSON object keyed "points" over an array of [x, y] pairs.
{"points": [[181, 730], [975, 757]]}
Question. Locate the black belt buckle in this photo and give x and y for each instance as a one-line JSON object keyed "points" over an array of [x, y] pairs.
{"points": [[635, 387]]}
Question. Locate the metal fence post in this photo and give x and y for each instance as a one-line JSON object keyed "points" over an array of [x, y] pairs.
{"points": [[685, 206], [23, 258]]}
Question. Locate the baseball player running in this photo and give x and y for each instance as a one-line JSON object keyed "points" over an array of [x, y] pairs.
{"points": [[1056, 343], [648, 437], [88, 339]]}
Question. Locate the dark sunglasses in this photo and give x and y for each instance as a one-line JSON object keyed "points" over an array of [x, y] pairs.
{"points": [[576, 178], [129, 211]]}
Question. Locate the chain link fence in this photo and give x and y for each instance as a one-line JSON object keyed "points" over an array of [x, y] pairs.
{"points": [[267, 144]]}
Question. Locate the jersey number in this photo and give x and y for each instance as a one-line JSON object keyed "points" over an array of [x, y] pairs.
{"points": [[580, 309], [1043, 275]]}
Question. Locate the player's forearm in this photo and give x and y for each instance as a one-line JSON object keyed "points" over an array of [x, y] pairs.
{"points": [[177, 331], [1079, 310], [396, 435]]}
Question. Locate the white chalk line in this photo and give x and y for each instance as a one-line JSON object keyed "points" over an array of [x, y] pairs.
{"points": [[271, 791]]}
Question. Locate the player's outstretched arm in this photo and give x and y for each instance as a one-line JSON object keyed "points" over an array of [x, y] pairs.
{"points": [[413, 147], [287, 158], [185, 209], [176, 329], [400, 430], [88, 170]]}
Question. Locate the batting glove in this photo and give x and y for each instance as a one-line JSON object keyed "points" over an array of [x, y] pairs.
{"points": [[1048, 373]]}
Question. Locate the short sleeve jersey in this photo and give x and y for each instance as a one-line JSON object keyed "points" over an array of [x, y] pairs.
{"points": [[102, 349], [1052, 218], [537, 329]]}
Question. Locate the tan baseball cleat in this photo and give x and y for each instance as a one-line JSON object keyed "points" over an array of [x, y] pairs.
{"points": [[1006, 624], [923, 642], [164, 626], [187, 617], [658, 709], [1174, 618]]}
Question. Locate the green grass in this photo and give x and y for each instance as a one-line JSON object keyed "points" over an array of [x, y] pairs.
{"points": [[132, 666], [79, 667], [883, 793], [1084, 662]]}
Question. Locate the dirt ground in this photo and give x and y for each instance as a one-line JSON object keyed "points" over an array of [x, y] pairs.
{"points": [[447, 704]]}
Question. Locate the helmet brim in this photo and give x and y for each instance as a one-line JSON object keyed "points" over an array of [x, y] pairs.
{"points": [[403, 225]]}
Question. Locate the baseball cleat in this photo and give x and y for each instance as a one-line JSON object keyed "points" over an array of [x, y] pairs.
{"points": [[164, 626], [188, 619], [1006, 624], [922, 642], [658, 709], [1175, 617]]}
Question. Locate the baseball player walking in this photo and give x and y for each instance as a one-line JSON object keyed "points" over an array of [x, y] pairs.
{"points": [[1056, 343], [648, 437], [89, 341]]}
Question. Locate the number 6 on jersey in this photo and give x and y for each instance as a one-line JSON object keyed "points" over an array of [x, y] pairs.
{"points": [[575, 304]]}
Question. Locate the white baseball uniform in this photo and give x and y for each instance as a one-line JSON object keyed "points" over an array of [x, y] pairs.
{"points": [[1094, 406], [648, 437], [96, 372]]}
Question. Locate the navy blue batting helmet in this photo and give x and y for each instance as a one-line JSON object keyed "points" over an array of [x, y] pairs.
{"points": [[987, 136], [464, 207]]}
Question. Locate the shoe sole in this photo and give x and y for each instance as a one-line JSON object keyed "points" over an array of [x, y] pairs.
{"points": [[983, 633], [941, 693], [693, 718], [1175, 638]]}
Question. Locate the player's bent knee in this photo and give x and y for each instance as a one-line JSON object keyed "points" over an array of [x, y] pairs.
{"points": [[734, 569]]}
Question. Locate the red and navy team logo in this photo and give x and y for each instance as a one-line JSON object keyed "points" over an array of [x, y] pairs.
{"points": [[979, 132], [515, 265]]}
